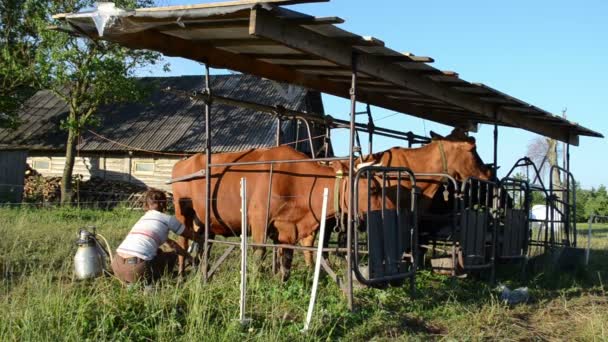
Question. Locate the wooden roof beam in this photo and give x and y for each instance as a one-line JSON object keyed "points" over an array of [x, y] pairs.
{"points": [[263, 24], [218, 58], [282, 56], [238, 42], [243, 23], [405, 59]]}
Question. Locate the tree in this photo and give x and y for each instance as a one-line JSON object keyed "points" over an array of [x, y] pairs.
{"points": [[544, 153], [597, 202], [87, 74], [20, 22], [582, 197]]}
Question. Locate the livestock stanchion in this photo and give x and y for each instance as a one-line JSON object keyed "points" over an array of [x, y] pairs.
{"points": [[315, 283], [478, 226], [392, 231], [439, 230], [513, 220], [563, 213], [539, 240]]}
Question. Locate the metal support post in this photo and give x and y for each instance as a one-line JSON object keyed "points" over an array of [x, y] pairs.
{"points": [[206, 246], [278, 131], [495, 144], [351, 168], [370, 128]]}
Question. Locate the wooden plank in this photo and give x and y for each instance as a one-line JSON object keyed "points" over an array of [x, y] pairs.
{"points": [[312, 21], [282, 56], [244, 22], [265, 25], [238, 42], [404, 58], [226, 4]]}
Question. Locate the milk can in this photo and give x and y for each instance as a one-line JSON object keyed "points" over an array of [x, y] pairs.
{"points": [[89, 260]]}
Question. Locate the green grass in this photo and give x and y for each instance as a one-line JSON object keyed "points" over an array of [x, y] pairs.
{"points": [[40, 301]]}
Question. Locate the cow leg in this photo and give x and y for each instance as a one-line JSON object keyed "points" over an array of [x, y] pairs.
{"points": [[183, 243], [257, 236], [286, 258], [188, 221], [287, 233], [308, 241]]}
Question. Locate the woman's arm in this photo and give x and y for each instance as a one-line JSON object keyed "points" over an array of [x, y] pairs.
{"points": [[194, 236], [178, 249]]}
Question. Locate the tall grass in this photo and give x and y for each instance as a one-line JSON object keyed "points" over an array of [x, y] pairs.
{"points": [[40, 301]]}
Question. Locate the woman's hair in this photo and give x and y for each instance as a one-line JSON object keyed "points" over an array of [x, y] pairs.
{"points": [[155, 200]]}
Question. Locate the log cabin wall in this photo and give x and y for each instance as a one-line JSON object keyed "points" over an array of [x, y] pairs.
{"points": [[143, 170]]}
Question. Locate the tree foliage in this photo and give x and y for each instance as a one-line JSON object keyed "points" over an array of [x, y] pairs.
{"points": [[85, 73], [88, 74], [20, 24]]}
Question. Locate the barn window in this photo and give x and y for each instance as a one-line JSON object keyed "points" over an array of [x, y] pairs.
{"points": [[144, 167], [41, 164]]}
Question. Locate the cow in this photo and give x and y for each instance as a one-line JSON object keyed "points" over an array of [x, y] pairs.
{"points": [[296, 192], [455, 155]]}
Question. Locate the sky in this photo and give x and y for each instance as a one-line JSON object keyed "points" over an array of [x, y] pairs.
{"points": [[551, 54]]}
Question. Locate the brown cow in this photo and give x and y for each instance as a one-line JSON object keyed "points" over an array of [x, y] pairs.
{"points": [[455, 155], [460, 160], [296, 201]]}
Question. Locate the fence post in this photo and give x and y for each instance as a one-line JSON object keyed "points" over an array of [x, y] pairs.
{"points": [[315, 282], [243, 300], [587, 252]]}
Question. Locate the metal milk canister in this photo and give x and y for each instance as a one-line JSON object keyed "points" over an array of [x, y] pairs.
{"points": [[88, 261]]}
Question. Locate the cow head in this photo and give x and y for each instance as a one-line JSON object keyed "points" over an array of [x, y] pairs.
{"points": [[461, 155], [371, 187]]}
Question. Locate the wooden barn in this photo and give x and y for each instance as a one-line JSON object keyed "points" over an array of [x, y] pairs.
{"points": [[140, 142]]}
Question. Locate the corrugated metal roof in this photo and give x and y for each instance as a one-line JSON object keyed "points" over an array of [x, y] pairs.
{"points": [[166, 122], [261, 38]]}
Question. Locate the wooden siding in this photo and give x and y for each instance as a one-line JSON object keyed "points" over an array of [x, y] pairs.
{"points": [[122, 168], [12, 173]]}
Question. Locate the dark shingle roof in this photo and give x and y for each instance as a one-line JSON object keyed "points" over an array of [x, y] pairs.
{"points": [[167, 122]]}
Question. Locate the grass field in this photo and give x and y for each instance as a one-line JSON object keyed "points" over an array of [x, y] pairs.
{"points": [[39, 301]]}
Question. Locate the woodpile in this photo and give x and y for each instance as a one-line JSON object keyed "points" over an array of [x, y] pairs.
{"points": [[95, 192]]}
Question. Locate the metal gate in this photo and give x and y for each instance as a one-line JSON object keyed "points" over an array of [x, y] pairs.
{"points": [[562, 208], [477, 235], [388, 246], [513, 208]]}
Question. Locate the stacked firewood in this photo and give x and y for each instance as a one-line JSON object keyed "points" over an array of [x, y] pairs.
{"points": [[95, 192], [108, 193], [39, 189]]}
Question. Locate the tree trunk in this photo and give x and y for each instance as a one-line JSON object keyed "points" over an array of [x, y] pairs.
{"points": [[70, 156], [552, 159]]}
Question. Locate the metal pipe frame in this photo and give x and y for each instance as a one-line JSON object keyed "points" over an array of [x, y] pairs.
{"points": [[312, 145], [513, 185], [282, 112], [206, 245], [489, 185], [286, 246], [455, 209], [285, 161], [495, 145], [387, 172], [370, 128], [351, 167], [565, 202]]}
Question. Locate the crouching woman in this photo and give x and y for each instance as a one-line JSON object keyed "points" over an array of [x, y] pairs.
{"points": [[139, 256]]}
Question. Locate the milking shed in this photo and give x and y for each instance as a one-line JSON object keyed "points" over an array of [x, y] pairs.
{"points": [[263, 38]]}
